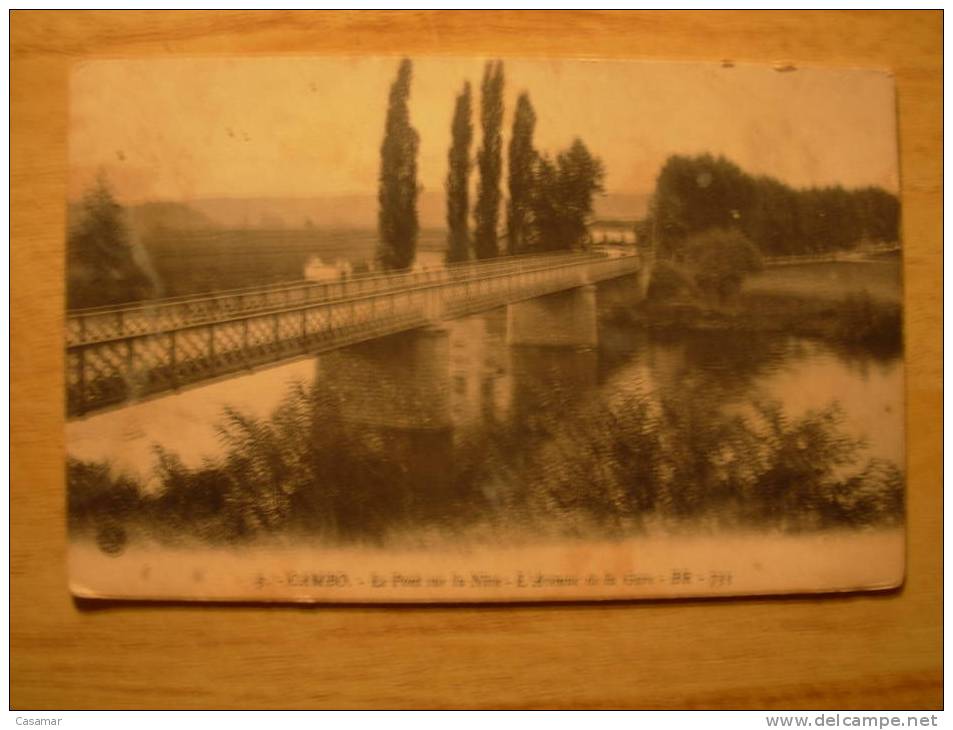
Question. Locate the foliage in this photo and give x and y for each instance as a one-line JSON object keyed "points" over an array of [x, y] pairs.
{"points": [[676, 455], [397, 192], [102, 269], [550, 200], [668, 282], [458, 179], [721, 258], [682, 460], [490, 163], [94, 494], [522, 160], [693, 194], [561, 202]]}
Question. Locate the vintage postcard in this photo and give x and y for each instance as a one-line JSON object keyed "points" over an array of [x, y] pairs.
{"points": [[466, 329]]}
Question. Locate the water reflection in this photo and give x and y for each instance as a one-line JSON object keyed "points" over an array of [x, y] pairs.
{"points": [[549, 383], [449, 432]]}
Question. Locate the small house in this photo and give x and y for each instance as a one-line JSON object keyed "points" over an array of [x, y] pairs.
{"points": [[617, 232]]}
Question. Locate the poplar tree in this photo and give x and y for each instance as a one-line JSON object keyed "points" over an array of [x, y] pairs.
{"points": [[522, 160], [490, 162], [397, 192], [458, 179]]}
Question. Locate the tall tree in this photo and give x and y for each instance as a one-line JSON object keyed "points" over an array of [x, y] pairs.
{"points": [[490, 161], [582, 176], [102, 268], [397, 192], [522, 159], [458, 179], [562, 198]]}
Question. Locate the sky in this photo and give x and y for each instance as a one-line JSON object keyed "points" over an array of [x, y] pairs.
{"points": [[181, 129]]}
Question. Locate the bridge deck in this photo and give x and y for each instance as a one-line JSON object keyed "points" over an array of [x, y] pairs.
{"points": [[160, 315], [126, 353]]}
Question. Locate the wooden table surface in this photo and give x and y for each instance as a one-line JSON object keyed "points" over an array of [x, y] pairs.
{"points": [[854, 651]]}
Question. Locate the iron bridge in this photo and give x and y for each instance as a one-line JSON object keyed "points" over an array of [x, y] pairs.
{"points": [[119, 354]]}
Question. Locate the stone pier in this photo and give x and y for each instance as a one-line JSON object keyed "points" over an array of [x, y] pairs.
{"points": [[565, 319]]}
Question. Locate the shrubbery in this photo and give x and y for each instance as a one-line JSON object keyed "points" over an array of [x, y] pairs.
{"points": [[713, 266], [669, 282], [721, 258], [673, 457]]}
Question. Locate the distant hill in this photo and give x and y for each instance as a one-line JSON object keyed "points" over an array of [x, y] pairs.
{"points": [[149, 216], [338, 211], [221, 243], [333, 211], [143, 218]]}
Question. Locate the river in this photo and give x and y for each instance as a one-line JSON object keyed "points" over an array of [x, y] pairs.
{"points": [[502, 399], [752, 462]]}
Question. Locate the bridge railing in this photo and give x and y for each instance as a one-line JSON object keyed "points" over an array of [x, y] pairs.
{"points": [[159, 315], [132, 366]]}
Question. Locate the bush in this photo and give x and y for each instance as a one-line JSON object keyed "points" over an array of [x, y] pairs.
{"points": [[721, 259], [670, 455], [95, 495], [668, 283]]}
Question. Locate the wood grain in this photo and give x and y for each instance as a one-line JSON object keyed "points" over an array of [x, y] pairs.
{"points": [[859, 651]]}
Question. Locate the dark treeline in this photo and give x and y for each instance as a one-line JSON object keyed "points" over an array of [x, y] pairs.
{"points": [[694, 194], [550, 197]]}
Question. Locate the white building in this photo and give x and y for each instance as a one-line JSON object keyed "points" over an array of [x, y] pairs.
{"points": [[316, 270], [619, 232]]}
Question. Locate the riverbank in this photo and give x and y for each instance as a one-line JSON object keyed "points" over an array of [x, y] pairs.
{"points": [[849, 304]]}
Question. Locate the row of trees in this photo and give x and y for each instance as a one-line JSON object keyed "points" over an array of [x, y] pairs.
{"points": [[694, 194], [550, 198]]}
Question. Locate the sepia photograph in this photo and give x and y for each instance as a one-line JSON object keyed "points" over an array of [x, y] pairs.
{"points": [[441, 329]]}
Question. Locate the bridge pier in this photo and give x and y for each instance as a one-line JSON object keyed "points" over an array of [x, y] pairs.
{"points": [[564, 319]]}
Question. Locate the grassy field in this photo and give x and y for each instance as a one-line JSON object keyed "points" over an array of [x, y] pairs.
{"points": [[880, 278], [191, 262], [857, 304]]}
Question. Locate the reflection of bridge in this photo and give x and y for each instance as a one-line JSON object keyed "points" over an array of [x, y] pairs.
{"points": [[118, 354]]}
